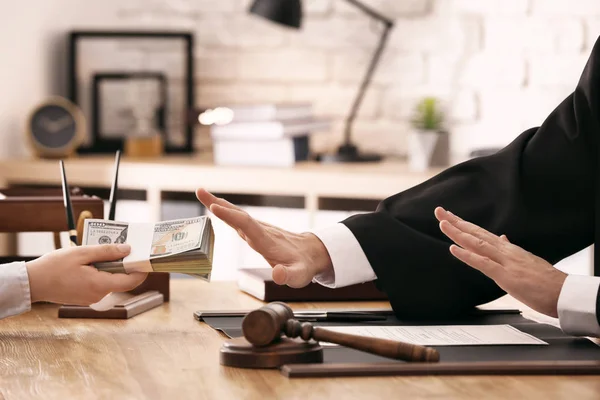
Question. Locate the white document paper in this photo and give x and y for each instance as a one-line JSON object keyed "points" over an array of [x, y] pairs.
{"points": [[444, 335]]}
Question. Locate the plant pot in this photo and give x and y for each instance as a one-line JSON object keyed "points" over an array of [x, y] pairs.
{"points": [[421, 147], [441, 152]]}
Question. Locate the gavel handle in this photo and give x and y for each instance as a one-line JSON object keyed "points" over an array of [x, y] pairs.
{"points": [[383, 347]]}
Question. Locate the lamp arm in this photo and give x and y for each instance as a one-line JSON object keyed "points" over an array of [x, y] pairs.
{"points": [[372, 13], [367, 78]]}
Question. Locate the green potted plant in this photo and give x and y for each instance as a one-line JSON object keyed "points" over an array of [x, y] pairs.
{"points": [[428, 128]]}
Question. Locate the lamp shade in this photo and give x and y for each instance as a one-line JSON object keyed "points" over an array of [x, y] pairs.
{"points": [[284, 12]]}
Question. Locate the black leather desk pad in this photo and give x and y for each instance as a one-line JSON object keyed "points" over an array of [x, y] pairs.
{"points": [[561, 347]]}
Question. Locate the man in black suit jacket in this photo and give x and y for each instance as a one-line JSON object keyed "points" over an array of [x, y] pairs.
{"points": [[539, 191]]}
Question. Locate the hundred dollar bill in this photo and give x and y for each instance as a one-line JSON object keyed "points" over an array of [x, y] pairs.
{"points": [[183, 245], [98, 231]]}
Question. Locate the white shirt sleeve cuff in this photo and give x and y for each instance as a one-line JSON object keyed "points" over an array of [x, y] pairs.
{"points": [[350, 264], [577, 306], [15, 296]]}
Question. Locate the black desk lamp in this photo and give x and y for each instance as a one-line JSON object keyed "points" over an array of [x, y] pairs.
{"points": [[289, 13]]}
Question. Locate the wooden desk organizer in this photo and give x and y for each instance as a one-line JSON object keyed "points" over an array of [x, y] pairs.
{"points": [[150, 294], [42, 210]]}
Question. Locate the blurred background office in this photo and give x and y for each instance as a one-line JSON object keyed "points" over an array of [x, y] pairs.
{"points": [[485, 69]]}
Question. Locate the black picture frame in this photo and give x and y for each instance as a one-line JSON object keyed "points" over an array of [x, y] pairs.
{"points": [[75, 38], [101, 142]]}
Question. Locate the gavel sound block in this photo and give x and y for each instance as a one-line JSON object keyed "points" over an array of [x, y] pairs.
{"points": [[263, 346]]}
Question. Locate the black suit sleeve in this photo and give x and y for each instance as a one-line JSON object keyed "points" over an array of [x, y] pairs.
{"points": [[539, 191]]}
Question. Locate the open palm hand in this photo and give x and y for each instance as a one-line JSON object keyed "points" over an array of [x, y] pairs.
{"points": [[525, 276], [295, 258]]}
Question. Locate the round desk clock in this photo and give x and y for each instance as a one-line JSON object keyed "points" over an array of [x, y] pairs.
{"points": [[56, 128]]}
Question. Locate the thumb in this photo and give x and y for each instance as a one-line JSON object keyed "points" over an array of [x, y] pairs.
{"points": [[295, 276], [104, 252]]}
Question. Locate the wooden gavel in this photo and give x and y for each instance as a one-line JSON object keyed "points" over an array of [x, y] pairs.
{"points": [[265, 325]]}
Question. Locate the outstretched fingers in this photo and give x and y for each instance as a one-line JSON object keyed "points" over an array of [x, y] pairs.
{"points": [[470, 242], [483, 264], [242, 222], [208, 199], [468, 227], [474, 246]]}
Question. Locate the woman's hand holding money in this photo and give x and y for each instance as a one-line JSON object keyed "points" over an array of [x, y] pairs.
{"points": [[65, 276]]}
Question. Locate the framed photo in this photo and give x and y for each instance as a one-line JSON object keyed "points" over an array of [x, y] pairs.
{"points": [[102, 63], [127, 104]]}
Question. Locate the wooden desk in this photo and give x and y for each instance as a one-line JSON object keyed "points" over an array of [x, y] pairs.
{"points": [[166, 354]]}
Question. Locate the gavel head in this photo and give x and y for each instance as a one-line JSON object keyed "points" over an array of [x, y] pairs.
{"points": [[264, 326]]}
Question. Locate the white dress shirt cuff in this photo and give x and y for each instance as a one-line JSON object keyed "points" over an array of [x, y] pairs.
{"points": [[577, 306], [15, 296], [350, 264]]}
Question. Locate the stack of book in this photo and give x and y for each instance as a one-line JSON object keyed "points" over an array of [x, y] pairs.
{"points": [[258, 282], [273, 135]]}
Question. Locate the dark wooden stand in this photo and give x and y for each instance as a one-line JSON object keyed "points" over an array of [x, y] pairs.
{"points": [[240, 353], [150, 294]]}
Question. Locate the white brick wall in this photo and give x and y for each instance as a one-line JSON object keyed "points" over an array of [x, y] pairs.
{"points": [[317, 7], [212, 95], [217, 66], [500, 65], [487, 7], [285, 65], [238, 31], [332, 33], [581, 8], [335, 100], [555, 70], [398, 8], [433, 34], [487, 70], [529, 106], [395, 68], [508, 35], [592, 29]]}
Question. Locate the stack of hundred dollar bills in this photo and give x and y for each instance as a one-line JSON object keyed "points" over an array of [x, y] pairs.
{"points": [[182, 246]]}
